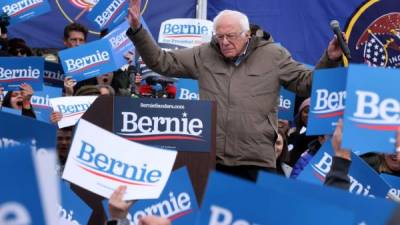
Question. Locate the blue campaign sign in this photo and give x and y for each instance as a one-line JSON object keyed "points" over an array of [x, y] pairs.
{"points": [[20, 201], [165, 123], [11, 110], [364, 209], [286, 104], [372, 109], [327, 100], [41, 102], [177, 202], [230, 200], [120, 44], [394, 182], [17, 70], [72, 208], [87, 61], [187, 89], [108, 14], [20, 128], [22, 10], [363, 179], [53, 74]]}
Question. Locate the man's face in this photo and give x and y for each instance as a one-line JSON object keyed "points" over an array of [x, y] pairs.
{"points": [[105, 79], [64, 138], [75, 39], [230, 36]]}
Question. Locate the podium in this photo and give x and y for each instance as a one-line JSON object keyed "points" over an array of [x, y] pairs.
{"points": [[199, 157]]}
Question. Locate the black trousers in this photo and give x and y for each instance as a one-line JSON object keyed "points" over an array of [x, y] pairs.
{"points": [[246, 172]]}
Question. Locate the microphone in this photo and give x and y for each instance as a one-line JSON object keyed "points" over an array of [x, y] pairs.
{"points": [[342, 43]]}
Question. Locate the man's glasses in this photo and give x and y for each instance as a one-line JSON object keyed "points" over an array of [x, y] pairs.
{"points": [[228, 36]]}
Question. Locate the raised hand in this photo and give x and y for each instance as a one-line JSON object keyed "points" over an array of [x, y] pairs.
{"points": [[118, 207], [134, 13], [26, 91], [337, 142], [69, 85]]}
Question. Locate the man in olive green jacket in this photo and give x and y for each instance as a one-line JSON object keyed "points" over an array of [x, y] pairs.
{"points": [[242, 74]]}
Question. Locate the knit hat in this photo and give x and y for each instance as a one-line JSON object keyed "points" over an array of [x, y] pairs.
{"points": [[87, 90], [304, 104]]}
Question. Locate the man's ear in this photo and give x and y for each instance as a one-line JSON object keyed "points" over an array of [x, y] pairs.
{"points": [[247, 34]]}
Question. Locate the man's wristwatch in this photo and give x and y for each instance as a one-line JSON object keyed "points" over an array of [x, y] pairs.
{"points": [[123, 221]]}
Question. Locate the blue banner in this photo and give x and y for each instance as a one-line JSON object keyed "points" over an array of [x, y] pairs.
{"points": [[20, 201], [23, 129], [87, 61], [394, 182], [364, 209], [22, 10], [17, 70], [108, 14], [327, 100], [371, 117], [229, 200], [72, 208], [164, 123], [177, 202], [363, 179], [41, 102], [53, 74], [286, 104]]}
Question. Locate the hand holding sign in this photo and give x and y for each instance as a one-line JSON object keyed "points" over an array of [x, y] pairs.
{"points": [[118, 207], [134, 13], [55, 117], [154, 220], [337, 142], [26, 91], [69, 85]]}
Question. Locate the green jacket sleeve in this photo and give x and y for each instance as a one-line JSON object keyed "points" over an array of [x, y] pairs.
{"points": [[177, 63]]}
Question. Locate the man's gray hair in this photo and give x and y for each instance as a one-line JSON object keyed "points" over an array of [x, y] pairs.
{"points": [[241, 17]]}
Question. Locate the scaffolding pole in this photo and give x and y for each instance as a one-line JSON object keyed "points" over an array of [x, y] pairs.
{"points": [[201, 10]]}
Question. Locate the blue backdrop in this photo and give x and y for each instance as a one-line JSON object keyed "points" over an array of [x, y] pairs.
{"points": [[46, 31], [301, 26]]}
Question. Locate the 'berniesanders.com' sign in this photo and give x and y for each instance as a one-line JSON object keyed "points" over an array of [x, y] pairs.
{"points": [[165, 123], [372, 113], [22, 10], [17, 70]]}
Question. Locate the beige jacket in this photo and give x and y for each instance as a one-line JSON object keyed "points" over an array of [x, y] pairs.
{"points": [[246, 95]]}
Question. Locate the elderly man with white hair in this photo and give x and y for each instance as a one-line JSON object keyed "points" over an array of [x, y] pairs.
{"points": [[243, 75]]}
